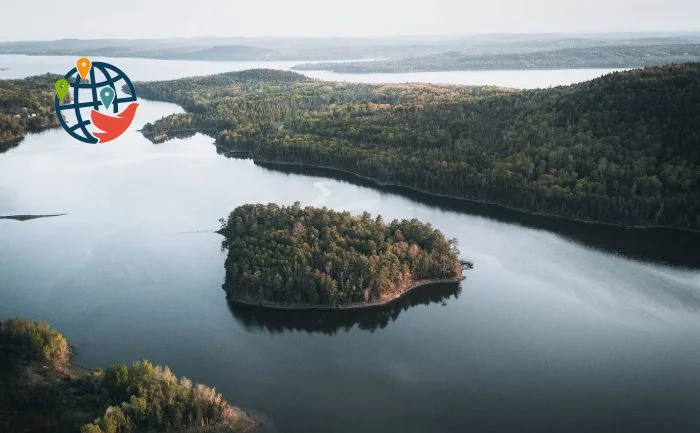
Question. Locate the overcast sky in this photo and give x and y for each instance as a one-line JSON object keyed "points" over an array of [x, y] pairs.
{"points": [[44, 19]]}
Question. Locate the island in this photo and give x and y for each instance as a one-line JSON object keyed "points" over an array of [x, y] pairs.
{"points": [[26, 105], [28, 217], [304, 258], [41, 390], [620, 149]]}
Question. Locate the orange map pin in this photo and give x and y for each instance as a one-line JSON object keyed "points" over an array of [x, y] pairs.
{"points": [[83, 64]]}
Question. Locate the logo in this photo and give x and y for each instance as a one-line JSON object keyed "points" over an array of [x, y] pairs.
{"points": [[89, 99]]}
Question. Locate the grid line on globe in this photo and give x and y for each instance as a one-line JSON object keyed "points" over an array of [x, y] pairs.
{"points": [[109, 80]]}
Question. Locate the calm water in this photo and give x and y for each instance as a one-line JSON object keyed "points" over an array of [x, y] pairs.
{"points": [[516, 79], [545, 334]]}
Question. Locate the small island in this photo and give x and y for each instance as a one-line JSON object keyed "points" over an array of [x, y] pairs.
{"points": [[40, 390], [28, 217], [315, 258]]}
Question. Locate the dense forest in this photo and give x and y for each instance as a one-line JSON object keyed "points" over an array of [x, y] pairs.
{"points": [[41, 391], [620, 149], [294, 255], [607, 56], [26, 105]]}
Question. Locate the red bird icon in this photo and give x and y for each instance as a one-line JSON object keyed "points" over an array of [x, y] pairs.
{"points": [[113, 126]]}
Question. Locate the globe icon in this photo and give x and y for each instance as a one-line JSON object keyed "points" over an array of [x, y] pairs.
{"points": [[75, 111]]}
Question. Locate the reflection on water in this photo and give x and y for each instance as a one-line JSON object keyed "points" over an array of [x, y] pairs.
{"points": [[331, 322]]}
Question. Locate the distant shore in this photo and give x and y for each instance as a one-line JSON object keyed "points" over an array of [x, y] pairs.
{"points": [[351, 306]]}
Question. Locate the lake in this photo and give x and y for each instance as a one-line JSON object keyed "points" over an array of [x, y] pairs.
{"points": [[555, 329], [19, 66]]}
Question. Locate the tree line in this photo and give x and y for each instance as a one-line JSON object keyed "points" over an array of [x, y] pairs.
{"points": [[147, 398]]}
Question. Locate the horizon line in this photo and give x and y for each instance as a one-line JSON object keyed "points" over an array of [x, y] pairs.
{"points": [[369, 37]]}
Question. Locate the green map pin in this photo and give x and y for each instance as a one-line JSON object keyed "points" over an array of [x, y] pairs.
{"points": [[107, 96], [62, 87]]}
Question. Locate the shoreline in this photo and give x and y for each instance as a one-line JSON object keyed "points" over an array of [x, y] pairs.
{"points": [[351, 306], [459, 200], [615, 68]]}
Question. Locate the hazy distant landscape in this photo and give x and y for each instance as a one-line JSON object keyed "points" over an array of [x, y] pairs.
{"points": [[614, 56], [400, 54]]}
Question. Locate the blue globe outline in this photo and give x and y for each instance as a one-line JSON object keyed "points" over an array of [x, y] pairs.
{"points": [[95, 103]]}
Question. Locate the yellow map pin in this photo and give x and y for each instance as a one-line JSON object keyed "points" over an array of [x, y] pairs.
{"points": [[83, 64]]}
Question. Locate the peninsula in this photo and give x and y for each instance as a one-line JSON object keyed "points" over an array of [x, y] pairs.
{"points": [[40, 390], [315, 258], [620, 149]]}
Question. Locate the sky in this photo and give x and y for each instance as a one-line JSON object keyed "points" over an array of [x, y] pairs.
{"points": [[133, 19]]}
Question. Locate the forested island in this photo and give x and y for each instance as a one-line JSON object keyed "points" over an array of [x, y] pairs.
{"points": [[26, 105], [41, 391], [606, 56], [619, 149], [294, 257]]}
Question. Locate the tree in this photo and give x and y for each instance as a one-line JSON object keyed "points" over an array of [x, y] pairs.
{"points": [[90, 428]]}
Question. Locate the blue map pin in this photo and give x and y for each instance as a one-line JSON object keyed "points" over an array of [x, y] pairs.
{"points": [[107, 96]]}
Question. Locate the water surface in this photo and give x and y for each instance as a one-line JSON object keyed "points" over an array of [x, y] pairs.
{"points": [[531, 79], [19, 66], [545, 334]]}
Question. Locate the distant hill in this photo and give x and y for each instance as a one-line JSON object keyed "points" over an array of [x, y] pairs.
{"points": [[302, 49], [616, 56], [619, 149], [221, 52]]}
